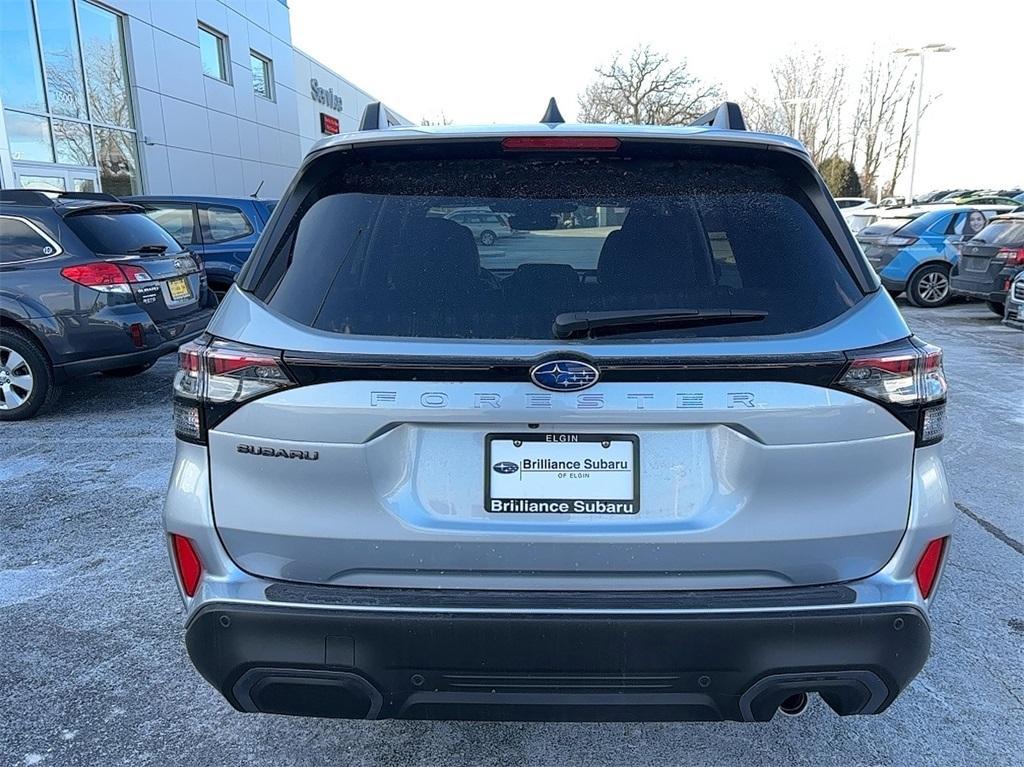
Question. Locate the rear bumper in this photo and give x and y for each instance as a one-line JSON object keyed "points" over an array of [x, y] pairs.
{"points": [[587, 666], [160, 339]]}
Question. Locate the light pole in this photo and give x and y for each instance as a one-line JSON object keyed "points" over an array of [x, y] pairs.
{"points": [[922, 54], [798, 103]]}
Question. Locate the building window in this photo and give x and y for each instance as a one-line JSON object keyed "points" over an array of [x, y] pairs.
{"points": [[262, 75], [65, 88], [106, 72], [21, 77], [28, 137], [62, 107], [213, 52], [118, 160]]}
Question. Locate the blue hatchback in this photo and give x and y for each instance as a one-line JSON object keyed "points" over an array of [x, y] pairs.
{"points": [[222, 231], [917, 253]]}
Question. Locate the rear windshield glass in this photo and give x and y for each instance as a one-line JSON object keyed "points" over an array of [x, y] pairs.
{"points": [[497, 249], [119, 233], [1006, 232]]}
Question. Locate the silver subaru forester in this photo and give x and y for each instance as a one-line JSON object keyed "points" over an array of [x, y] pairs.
{"points": [[667, 452]]}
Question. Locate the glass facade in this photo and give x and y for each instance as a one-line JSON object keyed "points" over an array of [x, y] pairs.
{"points": [[65, 92]]}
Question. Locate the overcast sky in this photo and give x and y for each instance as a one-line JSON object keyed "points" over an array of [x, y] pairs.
{"points": [[485, 62]]}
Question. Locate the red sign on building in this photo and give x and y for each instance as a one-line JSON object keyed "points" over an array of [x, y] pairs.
{"points": [[329, 124]]}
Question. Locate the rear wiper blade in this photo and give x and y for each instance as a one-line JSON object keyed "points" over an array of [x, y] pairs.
{"points": [[148, 249], [593, 324]]}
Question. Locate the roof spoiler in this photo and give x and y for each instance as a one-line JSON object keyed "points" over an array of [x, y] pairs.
{"points": [[726, 116], [377, 117]]}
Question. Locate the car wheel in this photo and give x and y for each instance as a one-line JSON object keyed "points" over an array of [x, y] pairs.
{"points": [[996, 308], [127, 372], [928, 287], [26, 382], [487, 237]]}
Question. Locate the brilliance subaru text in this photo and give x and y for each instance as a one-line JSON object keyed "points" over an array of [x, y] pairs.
{"points": [[677, 461]]}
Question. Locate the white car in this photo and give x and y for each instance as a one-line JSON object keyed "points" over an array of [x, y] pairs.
{"points": [[486, 225]]}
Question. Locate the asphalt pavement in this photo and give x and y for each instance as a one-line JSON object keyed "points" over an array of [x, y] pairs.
{"points": [[93, 670]]}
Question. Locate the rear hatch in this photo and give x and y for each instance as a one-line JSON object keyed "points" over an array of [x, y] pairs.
{"points": [[999, 245], [882, 241], [638, 390], [165, 280]]}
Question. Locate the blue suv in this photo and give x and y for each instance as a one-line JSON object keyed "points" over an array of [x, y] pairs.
{"points": [[220, 230], [916, 253]]}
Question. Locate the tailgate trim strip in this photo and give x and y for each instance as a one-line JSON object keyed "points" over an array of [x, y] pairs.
{"points": [[433, 599]]}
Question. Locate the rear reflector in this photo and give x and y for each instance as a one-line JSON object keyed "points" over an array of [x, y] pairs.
{"points": [[928, 567], [561, 143], [190, 568]]}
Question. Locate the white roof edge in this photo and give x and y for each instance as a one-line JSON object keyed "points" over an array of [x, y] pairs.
{"points": [[413, 132]]}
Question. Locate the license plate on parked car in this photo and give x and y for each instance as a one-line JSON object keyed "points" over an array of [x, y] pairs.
{"points": [[562, 473], [179, 288], [976, 264]]}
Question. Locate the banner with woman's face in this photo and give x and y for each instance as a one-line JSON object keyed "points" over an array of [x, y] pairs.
{"points": [[974, 222]]}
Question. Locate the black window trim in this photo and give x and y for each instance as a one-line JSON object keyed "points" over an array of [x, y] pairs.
{"points": [[57, 249]]}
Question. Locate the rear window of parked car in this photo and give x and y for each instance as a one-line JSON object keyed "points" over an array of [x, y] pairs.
{"points": [[1003, 232], [372, 252], [117, 232]]}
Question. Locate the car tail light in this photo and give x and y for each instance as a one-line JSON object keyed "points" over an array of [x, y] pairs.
{"points": [[561, 143], [897, 241], [1012, 256], [190, 567], [927, 570], [214, 378], [910, 382], [105, 276]]}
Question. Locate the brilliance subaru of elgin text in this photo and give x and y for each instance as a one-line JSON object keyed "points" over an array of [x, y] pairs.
{"points": [[667, 451]]}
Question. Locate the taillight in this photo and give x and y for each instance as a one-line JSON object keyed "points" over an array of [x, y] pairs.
{"points": [[909, 382], [1011, 256], [190, 567], [214, 378], [927, 570], [105, 276], [561, 143], [897, 241]]}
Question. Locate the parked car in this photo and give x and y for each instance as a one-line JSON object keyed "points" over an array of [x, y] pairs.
{"points": [[567, 486], [220, 230], [918, 255], [1019, 198], [846, 203], [87, 284], [1015, 302], [487, 227], [990, 260], [988, 200]]}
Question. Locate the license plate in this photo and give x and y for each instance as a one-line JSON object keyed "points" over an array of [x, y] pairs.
{"points": [[179, 288], [562, 473], [976, 264]]}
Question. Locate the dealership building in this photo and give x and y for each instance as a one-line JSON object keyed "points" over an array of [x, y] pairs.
{"points": [[161, 96]]}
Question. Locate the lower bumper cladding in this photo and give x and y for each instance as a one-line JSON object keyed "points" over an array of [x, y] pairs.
{"points": [[376, 664]]}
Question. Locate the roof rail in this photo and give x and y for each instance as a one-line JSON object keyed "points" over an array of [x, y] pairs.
{"points": [[551, 114], [726, 115], [376, 117], [26, 197]]}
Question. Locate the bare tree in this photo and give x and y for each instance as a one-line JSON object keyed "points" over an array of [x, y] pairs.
{"points": [[645, 88], [882, 119], [808, 77], [440, 119]]}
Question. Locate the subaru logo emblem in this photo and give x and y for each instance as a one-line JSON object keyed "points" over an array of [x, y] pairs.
{"points": [[564, 375], [506, 467]]}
